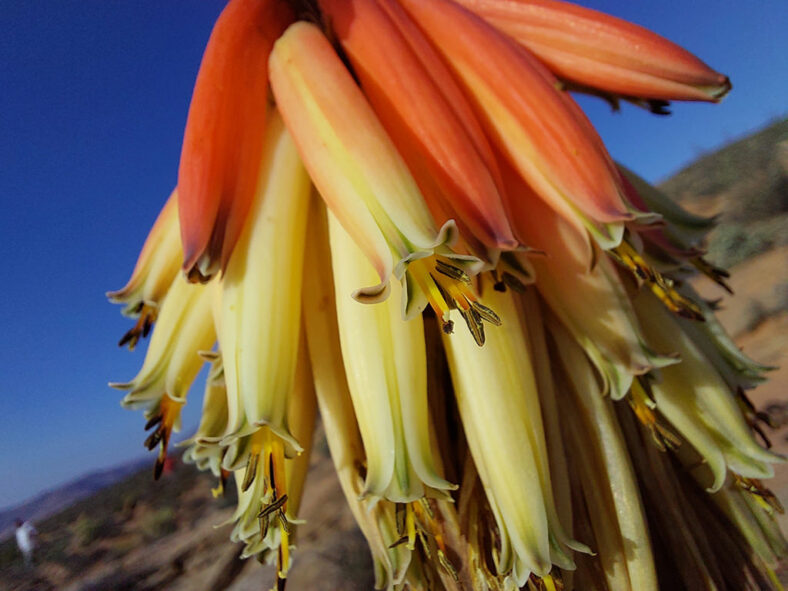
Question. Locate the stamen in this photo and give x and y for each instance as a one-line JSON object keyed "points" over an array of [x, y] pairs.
{"points": [[642, 404], [400, 519], [165, 417], [662, 287], [410, 526], [147, 317], [447, 287], [420, 272], [717, 274], [251, 471], [276, 469], [765, 497], [429, 526], [754, 416], [451, 271]]}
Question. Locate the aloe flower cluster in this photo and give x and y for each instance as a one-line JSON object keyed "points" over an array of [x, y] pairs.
{"points": [[393, 214]]}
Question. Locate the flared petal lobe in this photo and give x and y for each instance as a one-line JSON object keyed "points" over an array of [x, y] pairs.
{"points": [[223, 139], [595, 50]]}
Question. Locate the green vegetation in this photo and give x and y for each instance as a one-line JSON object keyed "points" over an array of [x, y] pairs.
{"points": [[746, 183]]}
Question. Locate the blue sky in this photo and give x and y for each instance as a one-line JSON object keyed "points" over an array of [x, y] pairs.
{"points": [[93, 100]]}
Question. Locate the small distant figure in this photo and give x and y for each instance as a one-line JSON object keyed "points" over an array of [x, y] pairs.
{"points": [[26, 538]]}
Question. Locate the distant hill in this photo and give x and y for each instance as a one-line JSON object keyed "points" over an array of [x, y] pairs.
{"points": [[746, 184], [52, 501]]}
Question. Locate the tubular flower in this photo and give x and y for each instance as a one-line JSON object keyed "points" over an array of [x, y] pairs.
{"points": [[697, 402], [271, 485], [365, 182], [375, 517], [362, 173], [590, 300], [497, 387], [223, 140], [156, 267], [172, 361], [387, 375], [597, 51], [259, 365], [604, 472], [514, 95], [451, 163]]}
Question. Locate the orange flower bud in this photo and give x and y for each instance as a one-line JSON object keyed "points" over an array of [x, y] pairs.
{"points": [[596, 50], [223, 141]]}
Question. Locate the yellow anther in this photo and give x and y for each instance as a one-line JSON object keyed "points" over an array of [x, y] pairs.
{"points": [[662, 287], [762, 495], [643, 407]]}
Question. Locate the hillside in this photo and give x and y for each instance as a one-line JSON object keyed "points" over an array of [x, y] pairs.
{"points": [[52, 501], [746, 185], [141, 535]]}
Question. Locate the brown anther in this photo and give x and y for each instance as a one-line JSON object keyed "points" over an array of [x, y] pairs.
{"points": [[474, 322], [283, 522], [401, 540], [251, 472], [486, 313], [273, 506], [452, 272], [717, 274], [153, 421], [141, 329], [153, 439]]}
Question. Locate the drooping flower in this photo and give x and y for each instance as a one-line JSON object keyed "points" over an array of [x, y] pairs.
{"points": [[596, 51], [259, 365], [172, 362], [386, 366], [698, 403], [365, 182], [223, 140], [515, 96], [497, 386], [589, 297], [431, 126], [156, 267], [602, 469]]}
